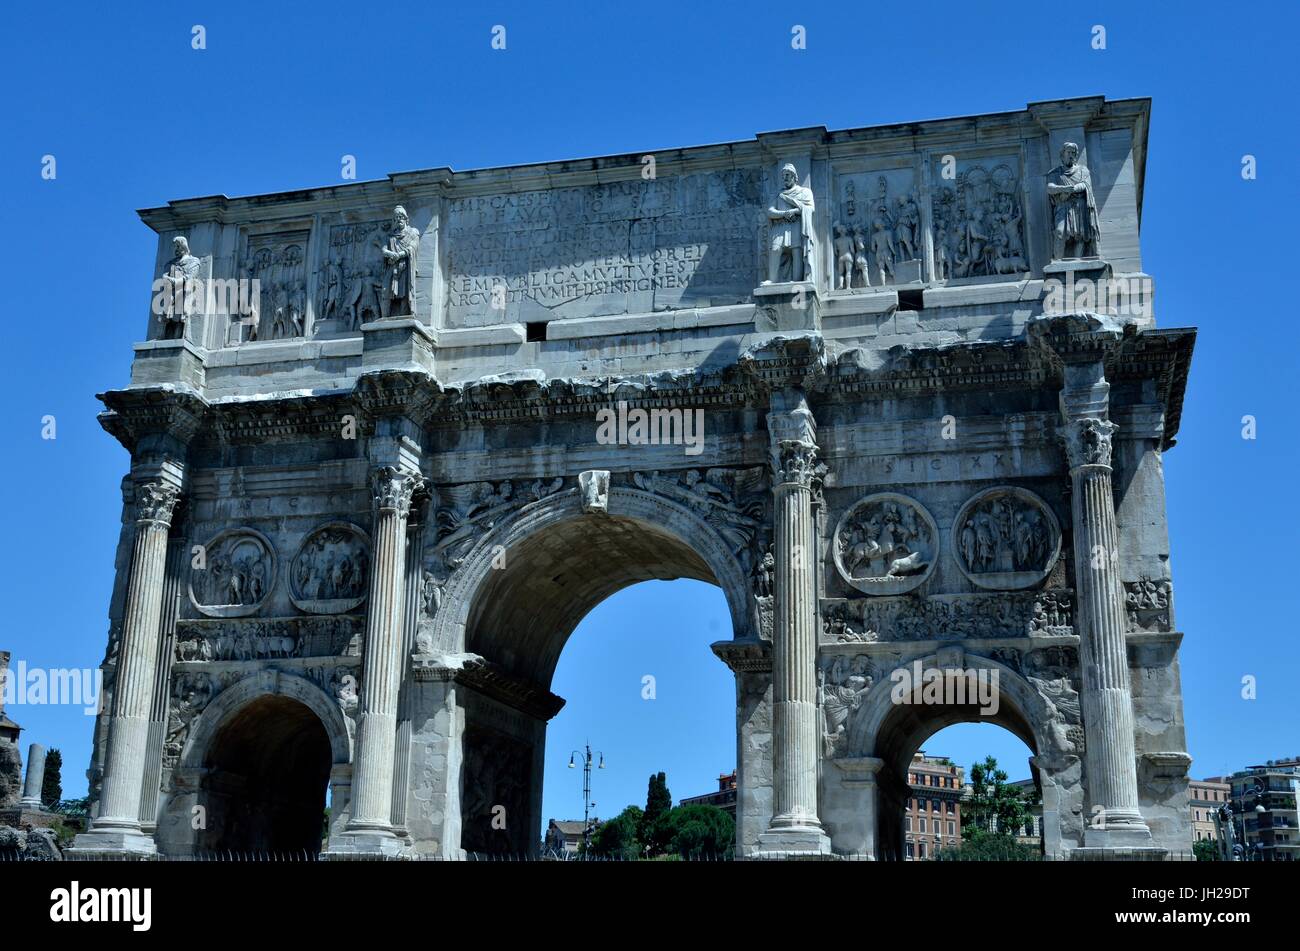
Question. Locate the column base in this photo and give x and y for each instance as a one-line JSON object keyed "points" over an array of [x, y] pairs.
{"points": [[366, 844], [793, 842], [112, 843], [1121, 832]]}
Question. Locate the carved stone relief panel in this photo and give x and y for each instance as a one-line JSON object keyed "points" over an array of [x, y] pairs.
{"points": [[978, 218], [1149, 604], [876, 230], [497, 777], [1006, 538], [350, 281], [620, 247], [235, 574], [268, 639], [842, 684], [886, 544], [278, 262], [948, 616], [329, 574]]}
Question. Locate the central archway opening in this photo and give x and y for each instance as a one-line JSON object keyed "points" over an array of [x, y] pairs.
{"points": [[925, 784], [265, 786], [640, 660]]}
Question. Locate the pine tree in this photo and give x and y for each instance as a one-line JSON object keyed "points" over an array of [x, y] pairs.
{"points": [[52, 787], [658, 802]]}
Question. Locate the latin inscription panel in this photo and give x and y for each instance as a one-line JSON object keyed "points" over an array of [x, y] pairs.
{"points": [[619, 248]]}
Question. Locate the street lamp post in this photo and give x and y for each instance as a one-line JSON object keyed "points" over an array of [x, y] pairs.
{"points": [[586, 789]]}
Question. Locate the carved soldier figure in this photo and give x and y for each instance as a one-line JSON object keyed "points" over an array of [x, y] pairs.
{"points": [[791, 229], [183, 269], [843, 258], [1074, 207], [399, 266], [861, 267]]}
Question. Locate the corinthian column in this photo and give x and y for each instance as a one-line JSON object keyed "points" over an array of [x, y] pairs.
{"points": [[117, 827], [370, 826], [795, 828], [1106, 698]]}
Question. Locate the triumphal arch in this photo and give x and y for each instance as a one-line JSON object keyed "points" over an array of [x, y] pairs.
{"points": [[899, 392]]}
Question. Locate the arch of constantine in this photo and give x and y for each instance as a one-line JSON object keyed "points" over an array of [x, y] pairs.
{"points": [[897, 391]]}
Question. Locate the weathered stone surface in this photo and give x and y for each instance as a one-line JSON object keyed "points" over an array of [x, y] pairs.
{"points": [[830, 372]]}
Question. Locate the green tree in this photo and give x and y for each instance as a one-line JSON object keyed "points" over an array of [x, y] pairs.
{"points": [[699, 832], [1206, 850], [658, 802], [993, 806], [989, 847], [52, 787], [618, 838]]}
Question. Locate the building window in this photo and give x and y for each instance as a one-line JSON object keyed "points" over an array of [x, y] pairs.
{"points": [[920, 846], [922, 827], [909, 824], [951, 828]]}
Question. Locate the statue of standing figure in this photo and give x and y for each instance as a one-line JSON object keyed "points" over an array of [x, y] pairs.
{"points": [[1074, 207], [179, 285], [399, 267], [791, 229]]}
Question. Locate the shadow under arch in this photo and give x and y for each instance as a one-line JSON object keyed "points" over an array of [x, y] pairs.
{"points": [[529, 581], [264, 752], [892, 724]]}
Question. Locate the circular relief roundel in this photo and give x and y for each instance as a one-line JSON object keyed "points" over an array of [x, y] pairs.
{"points": [[1006, 538], [330, 572], [235, 574], [886, 544]]}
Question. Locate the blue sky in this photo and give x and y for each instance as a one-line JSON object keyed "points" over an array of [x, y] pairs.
{"points": [[135, 117]]}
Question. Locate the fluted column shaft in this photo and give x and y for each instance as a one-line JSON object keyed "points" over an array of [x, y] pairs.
{"points": [[128, 729], [372, 787], [170, 610], [794, 684], [795, 734], [1106, 698]]}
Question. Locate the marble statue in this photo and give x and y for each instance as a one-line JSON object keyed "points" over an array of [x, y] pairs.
{"points": [[1074, 207], [790, 230], [398, 251], [178, 286]]}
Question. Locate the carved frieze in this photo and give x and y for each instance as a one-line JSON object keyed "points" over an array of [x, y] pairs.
{"points": [[842, 684], [234, 575], [277, 262], [978, 218], [267, 639], [948, 616], [886, 544], [329, 572], [730, 500], [1006, 538], [1148, 603], [467, 511], [350, 283], [878, 237]]}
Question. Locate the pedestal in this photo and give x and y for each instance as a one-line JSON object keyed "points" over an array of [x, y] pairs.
{"points": [[787, 306]]}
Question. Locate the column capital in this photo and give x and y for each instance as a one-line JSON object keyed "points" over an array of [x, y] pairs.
{"points": [[155, 502], [792, 429], [394, 489], [1088, 441]]}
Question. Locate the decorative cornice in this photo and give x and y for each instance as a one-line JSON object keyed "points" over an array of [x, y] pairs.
{"points": [[166, 410], [744, 656], [786, 362], [523, 695]]}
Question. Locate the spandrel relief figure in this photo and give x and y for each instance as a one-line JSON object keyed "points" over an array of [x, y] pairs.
{"points": [[1075, 227], [398, 251], [843, 258], [180, 290], [790, 230]]}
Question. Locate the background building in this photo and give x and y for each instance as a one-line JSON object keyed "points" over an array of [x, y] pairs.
{"points": [[564, 836], [724, 798], [1270, 833], [932, 819], [1205, 797]]}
